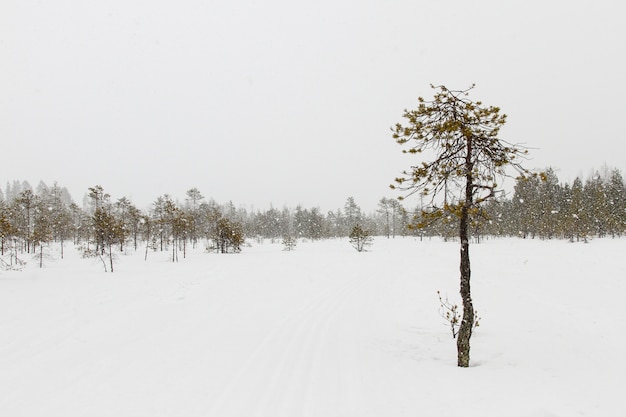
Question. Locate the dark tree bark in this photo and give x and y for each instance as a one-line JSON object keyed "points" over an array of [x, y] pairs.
{"points": [[467, 322]]}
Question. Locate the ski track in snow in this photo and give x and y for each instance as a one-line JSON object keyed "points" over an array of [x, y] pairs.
{"points": [[281, 370]]}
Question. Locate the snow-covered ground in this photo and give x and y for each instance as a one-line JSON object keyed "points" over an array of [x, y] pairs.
{"points": [[321, 331]]}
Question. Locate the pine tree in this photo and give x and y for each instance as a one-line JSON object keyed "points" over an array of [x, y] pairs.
{"points": [[548, 204], [7, 230], [468, 157], [616, 204], [524, 207], [25, 205], [360, 238], [596, 204], [352, 213], [108, 232], [228, 236], [194, 198]]}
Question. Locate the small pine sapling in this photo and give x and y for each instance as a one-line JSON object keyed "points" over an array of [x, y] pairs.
{"points": [[450, 312], [289, 243], [360, 238], [42, 254]]}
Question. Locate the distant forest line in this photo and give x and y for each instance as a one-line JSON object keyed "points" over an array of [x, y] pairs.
{"points": [[536, 208]]}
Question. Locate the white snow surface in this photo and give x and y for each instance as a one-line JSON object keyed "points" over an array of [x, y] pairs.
{"points": [[322, 331]]}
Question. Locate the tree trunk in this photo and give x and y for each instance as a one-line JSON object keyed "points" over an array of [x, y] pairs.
{"points": [[467, 322], [111, 256], [465, 330], [147, 241]]}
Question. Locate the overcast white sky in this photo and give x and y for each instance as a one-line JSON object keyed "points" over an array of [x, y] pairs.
{"points": [[290, 102]]}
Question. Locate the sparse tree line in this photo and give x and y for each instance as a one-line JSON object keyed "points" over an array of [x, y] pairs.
{"points": [[542, 207], [32, 219], [538, 207]]}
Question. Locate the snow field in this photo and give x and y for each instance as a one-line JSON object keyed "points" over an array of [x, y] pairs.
{"points": [[321, 331]]}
